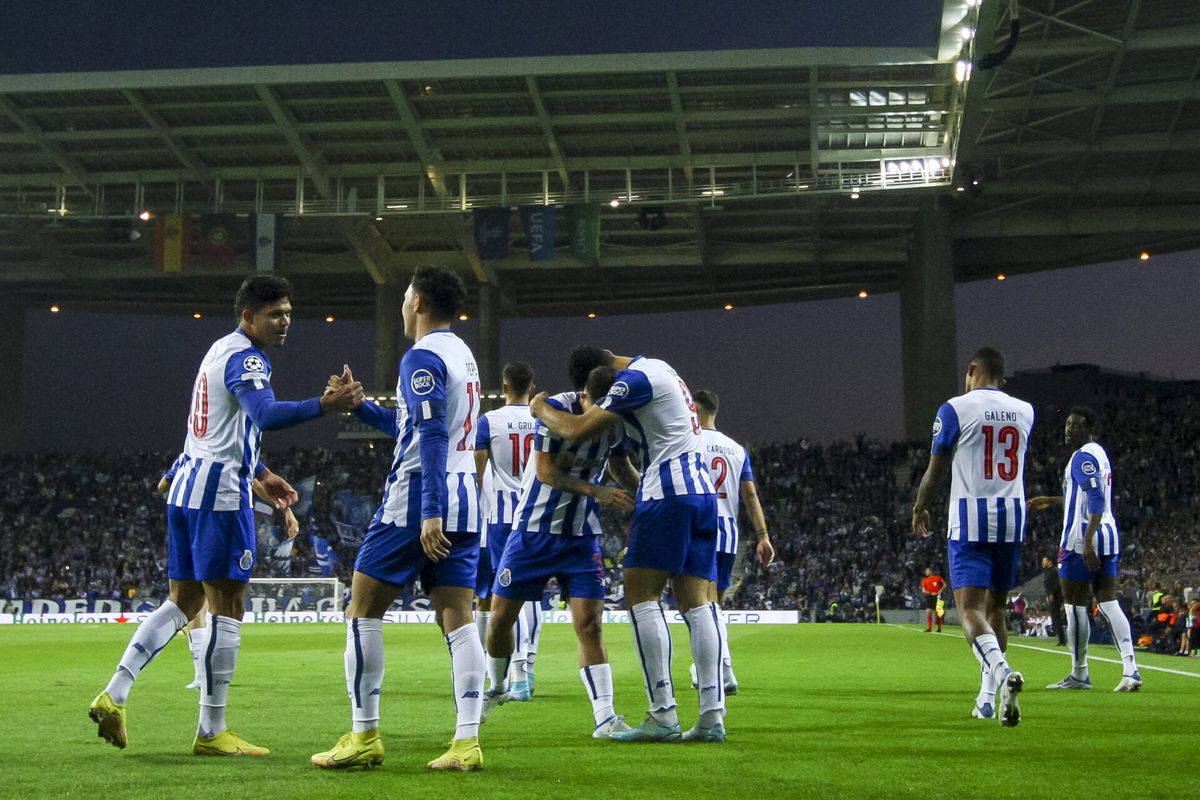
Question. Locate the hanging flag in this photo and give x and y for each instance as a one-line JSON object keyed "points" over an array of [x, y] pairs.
{"points": [[539, 231], [491, 233], [216, 240], [266, 242], [325, 556], [171, 243], [585, 231], [304, 488]]}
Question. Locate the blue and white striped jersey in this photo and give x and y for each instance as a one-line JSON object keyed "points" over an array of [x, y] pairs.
{"points": [[221, 451], [988, 433], [728, 465], [507, 434], [661, 422], [1087, 490], [544, 509], [437, 392]]}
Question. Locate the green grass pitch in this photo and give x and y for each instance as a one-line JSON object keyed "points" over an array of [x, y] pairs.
{"points": [[826, 711]]}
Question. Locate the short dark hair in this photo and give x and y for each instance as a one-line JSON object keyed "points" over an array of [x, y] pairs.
{"points": [[599, 381], [519, 377], [259, 291], [582, 361], [707, 401], [990, 359], [442, 288], [1089, 417]]}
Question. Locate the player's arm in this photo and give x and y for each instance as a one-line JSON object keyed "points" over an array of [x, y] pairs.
{"points": [[552, 471], [622, 470], [483, 448], [247, 380], [1042, 503], [1085, 471], [272, 488], [423, 385], [945, 438], [572, 427], [164, 483], [764, 551]]}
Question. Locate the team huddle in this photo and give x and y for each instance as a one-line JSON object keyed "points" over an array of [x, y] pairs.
{"points": [[628, 419], [485, 509]]}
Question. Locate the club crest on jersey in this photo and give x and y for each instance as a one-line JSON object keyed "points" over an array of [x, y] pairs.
{"points": [[937, 425], [247, 560], [505, 577], [1088, 468], [421, 382], [253, 364], [619, 389]]}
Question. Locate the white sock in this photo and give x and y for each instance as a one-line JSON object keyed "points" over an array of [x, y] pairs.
{"points": [[466, 663], [516, 667], [534, 609], [364, 664], [224, 637], [987, 652], [653, 641], [708, 655], [151, 636], [196, 645], [1122, 635], [987, 687], [727, 659], [498, 672], [1078, 629], [597, 679], [481, 623]]}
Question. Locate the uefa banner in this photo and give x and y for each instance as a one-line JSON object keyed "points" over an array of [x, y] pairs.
{"points": [[398, 617]]}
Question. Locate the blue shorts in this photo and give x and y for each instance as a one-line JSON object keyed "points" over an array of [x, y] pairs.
{"points": [[394, 555], [725, 570], [676, 534], [1072, 567], [484, 574], [497, 538], [210, 545], [531, 559], [985, 565]]}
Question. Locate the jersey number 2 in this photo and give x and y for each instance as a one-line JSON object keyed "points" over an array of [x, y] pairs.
{"points": [[722, 467], [1007, 439]]}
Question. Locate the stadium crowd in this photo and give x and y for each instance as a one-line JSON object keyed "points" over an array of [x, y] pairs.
{"points": [[91, 525]]}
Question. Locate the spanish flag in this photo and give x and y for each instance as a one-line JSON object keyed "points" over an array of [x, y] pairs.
{"points": [[171, 243]]}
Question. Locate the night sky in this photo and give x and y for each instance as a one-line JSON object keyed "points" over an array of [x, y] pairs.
{"points": [[826, 369]]}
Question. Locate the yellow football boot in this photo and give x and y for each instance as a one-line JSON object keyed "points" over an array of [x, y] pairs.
{"points": [[353, 750], [226, 743], [464, 755], [109, 718]]}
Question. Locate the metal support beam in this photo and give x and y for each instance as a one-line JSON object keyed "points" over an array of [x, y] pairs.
{"points": [[198, 169], [431, 159], [70, 166], [389, 327], [12, 333], [487, 353], [548, 131], [677, 113], [313, 163]]}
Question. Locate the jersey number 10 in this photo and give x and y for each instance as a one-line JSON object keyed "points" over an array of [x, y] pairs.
{"points": [[1008, 440]]}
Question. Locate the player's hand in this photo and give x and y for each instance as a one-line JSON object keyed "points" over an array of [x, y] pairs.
{"points": [[1090, 557], [279, 490], [614, 499], [347, 395], [291, 524], [1039, 503], [920, 522], [433, 541], [163, 486], [764, 551], [538, 404]]}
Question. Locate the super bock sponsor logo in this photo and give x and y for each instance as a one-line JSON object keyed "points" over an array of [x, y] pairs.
{"points": [[937, 425], [1088, 468], [619, 389], [421, 382]]}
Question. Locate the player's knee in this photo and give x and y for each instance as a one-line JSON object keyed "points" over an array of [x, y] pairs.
{"points": [[588, 628]]}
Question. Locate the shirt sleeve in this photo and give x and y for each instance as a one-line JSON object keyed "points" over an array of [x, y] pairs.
{"points": [[630, 390], [747, 471], [1085, 471], [379, 417], [545, 441], [945, 431], [423, 385], [483, 433], [169, 475], [248, 378]]}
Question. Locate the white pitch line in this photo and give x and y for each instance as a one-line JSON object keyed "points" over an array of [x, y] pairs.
{"points": [[1066, 653]]}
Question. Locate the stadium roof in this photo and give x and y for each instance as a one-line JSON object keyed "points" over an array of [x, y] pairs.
{"points": [[780, 174]]}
